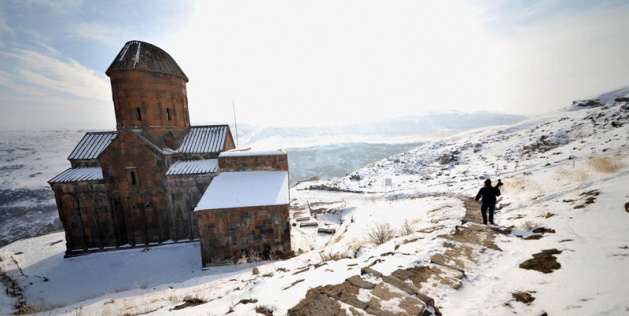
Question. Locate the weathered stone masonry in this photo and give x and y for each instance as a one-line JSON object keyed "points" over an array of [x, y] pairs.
{"points": [[139, 184], [252, 225], [250, 162], [142, 184], [228, 234]]}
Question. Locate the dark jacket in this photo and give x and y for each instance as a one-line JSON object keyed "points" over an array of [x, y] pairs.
{"points": [[489, 194]]}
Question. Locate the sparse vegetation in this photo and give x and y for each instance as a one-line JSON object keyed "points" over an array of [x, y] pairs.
{"points": [[265, 310], [406, 229], [605, 164], [447, 158], [251, 256], [529, 225], [380, 233], [189, 301], [577, 175], [331, 256], [522, 184]]}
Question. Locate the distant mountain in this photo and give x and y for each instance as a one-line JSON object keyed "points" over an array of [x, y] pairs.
{"points": [[408, 125]]}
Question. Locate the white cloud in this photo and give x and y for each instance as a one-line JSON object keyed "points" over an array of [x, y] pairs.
{"points": [[46, 74], [98, 32]]}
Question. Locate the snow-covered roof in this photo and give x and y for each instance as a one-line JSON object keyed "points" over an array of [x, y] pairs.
{"points": [[193, 167], [78, 174], [204, 139], [245, 189], [240, 152], [142, 56], [92, 145]]}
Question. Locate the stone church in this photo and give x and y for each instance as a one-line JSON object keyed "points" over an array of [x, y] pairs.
{"points": [[139, 185]]}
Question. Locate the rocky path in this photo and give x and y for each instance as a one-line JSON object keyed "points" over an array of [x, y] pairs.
{"points": [[407, 291]]}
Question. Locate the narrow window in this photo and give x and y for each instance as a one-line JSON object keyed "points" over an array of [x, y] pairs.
{"points": [[168, 114], [133, 178], [139, 114]]}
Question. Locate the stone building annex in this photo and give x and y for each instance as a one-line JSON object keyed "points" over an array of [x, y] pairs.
{"points": [[139, 185]]}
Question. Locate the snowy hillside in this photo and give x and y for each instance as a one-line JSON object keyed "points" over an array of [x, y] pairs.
{"points": [[28, 159], [560, 246]]}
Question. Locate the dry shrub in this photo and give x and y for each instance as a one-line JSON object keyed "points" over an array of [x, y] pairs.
{"points": [[380, 233], [189, 301], [251, 256], [529, 225], [338, 237], [265, 310], [577, 175], [331, 256], [516, 183], [520, 184], [605, 164], [406, 229]]}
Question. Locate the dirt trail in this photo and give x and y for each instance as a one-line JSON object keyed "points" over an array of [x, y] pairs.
{"points": [[409, 289], [472, 210]]}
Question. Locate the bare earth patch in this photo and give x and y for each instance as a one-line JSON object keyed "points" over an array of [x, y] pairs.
{"points": [[544, 261]]}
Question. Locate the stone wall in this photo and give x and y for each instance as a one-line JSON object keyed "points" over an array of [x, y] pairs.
{"points": [[261, 162], [185, 193], [96, 218], [228, 234], [86, 215], [149, 99], [136, 173], [134, 205]]}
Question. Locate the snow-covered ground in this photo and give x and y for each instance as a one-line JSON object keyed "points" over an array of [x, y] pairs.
{"points": [[567, 172]]}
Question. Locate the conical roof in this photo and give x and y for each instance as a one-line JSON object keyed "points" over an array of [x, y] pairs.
{"points": [[142, 56]]}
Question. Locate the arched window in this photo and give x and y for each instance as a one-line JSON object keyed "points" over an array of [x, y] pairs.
{"points": [[132, 176], [139, 114], [168, 114]]}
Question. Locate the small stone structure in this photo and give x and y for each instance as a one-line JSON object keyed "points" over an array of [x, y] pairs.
{"points": [[245, 210]]}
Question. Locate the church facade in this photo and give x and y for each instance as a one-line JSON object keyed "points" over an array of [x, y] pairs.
{"points": [[139, 185]]}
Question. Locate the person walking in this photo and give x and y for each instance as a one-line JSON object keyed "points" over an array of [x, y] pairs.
{"points": [[488, 195]]}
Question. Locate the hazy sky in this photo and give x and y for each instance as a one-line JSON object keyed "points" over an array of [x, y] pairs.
{"points": [[314, 62]]}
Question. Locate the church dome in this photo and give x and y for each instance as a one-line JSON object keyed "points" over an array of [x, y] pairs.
{"points": [[142, 56]]}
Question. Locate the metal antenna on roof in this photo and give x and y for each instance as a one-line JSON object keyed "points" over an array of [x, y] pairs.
{"points": [[235, 122]]}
